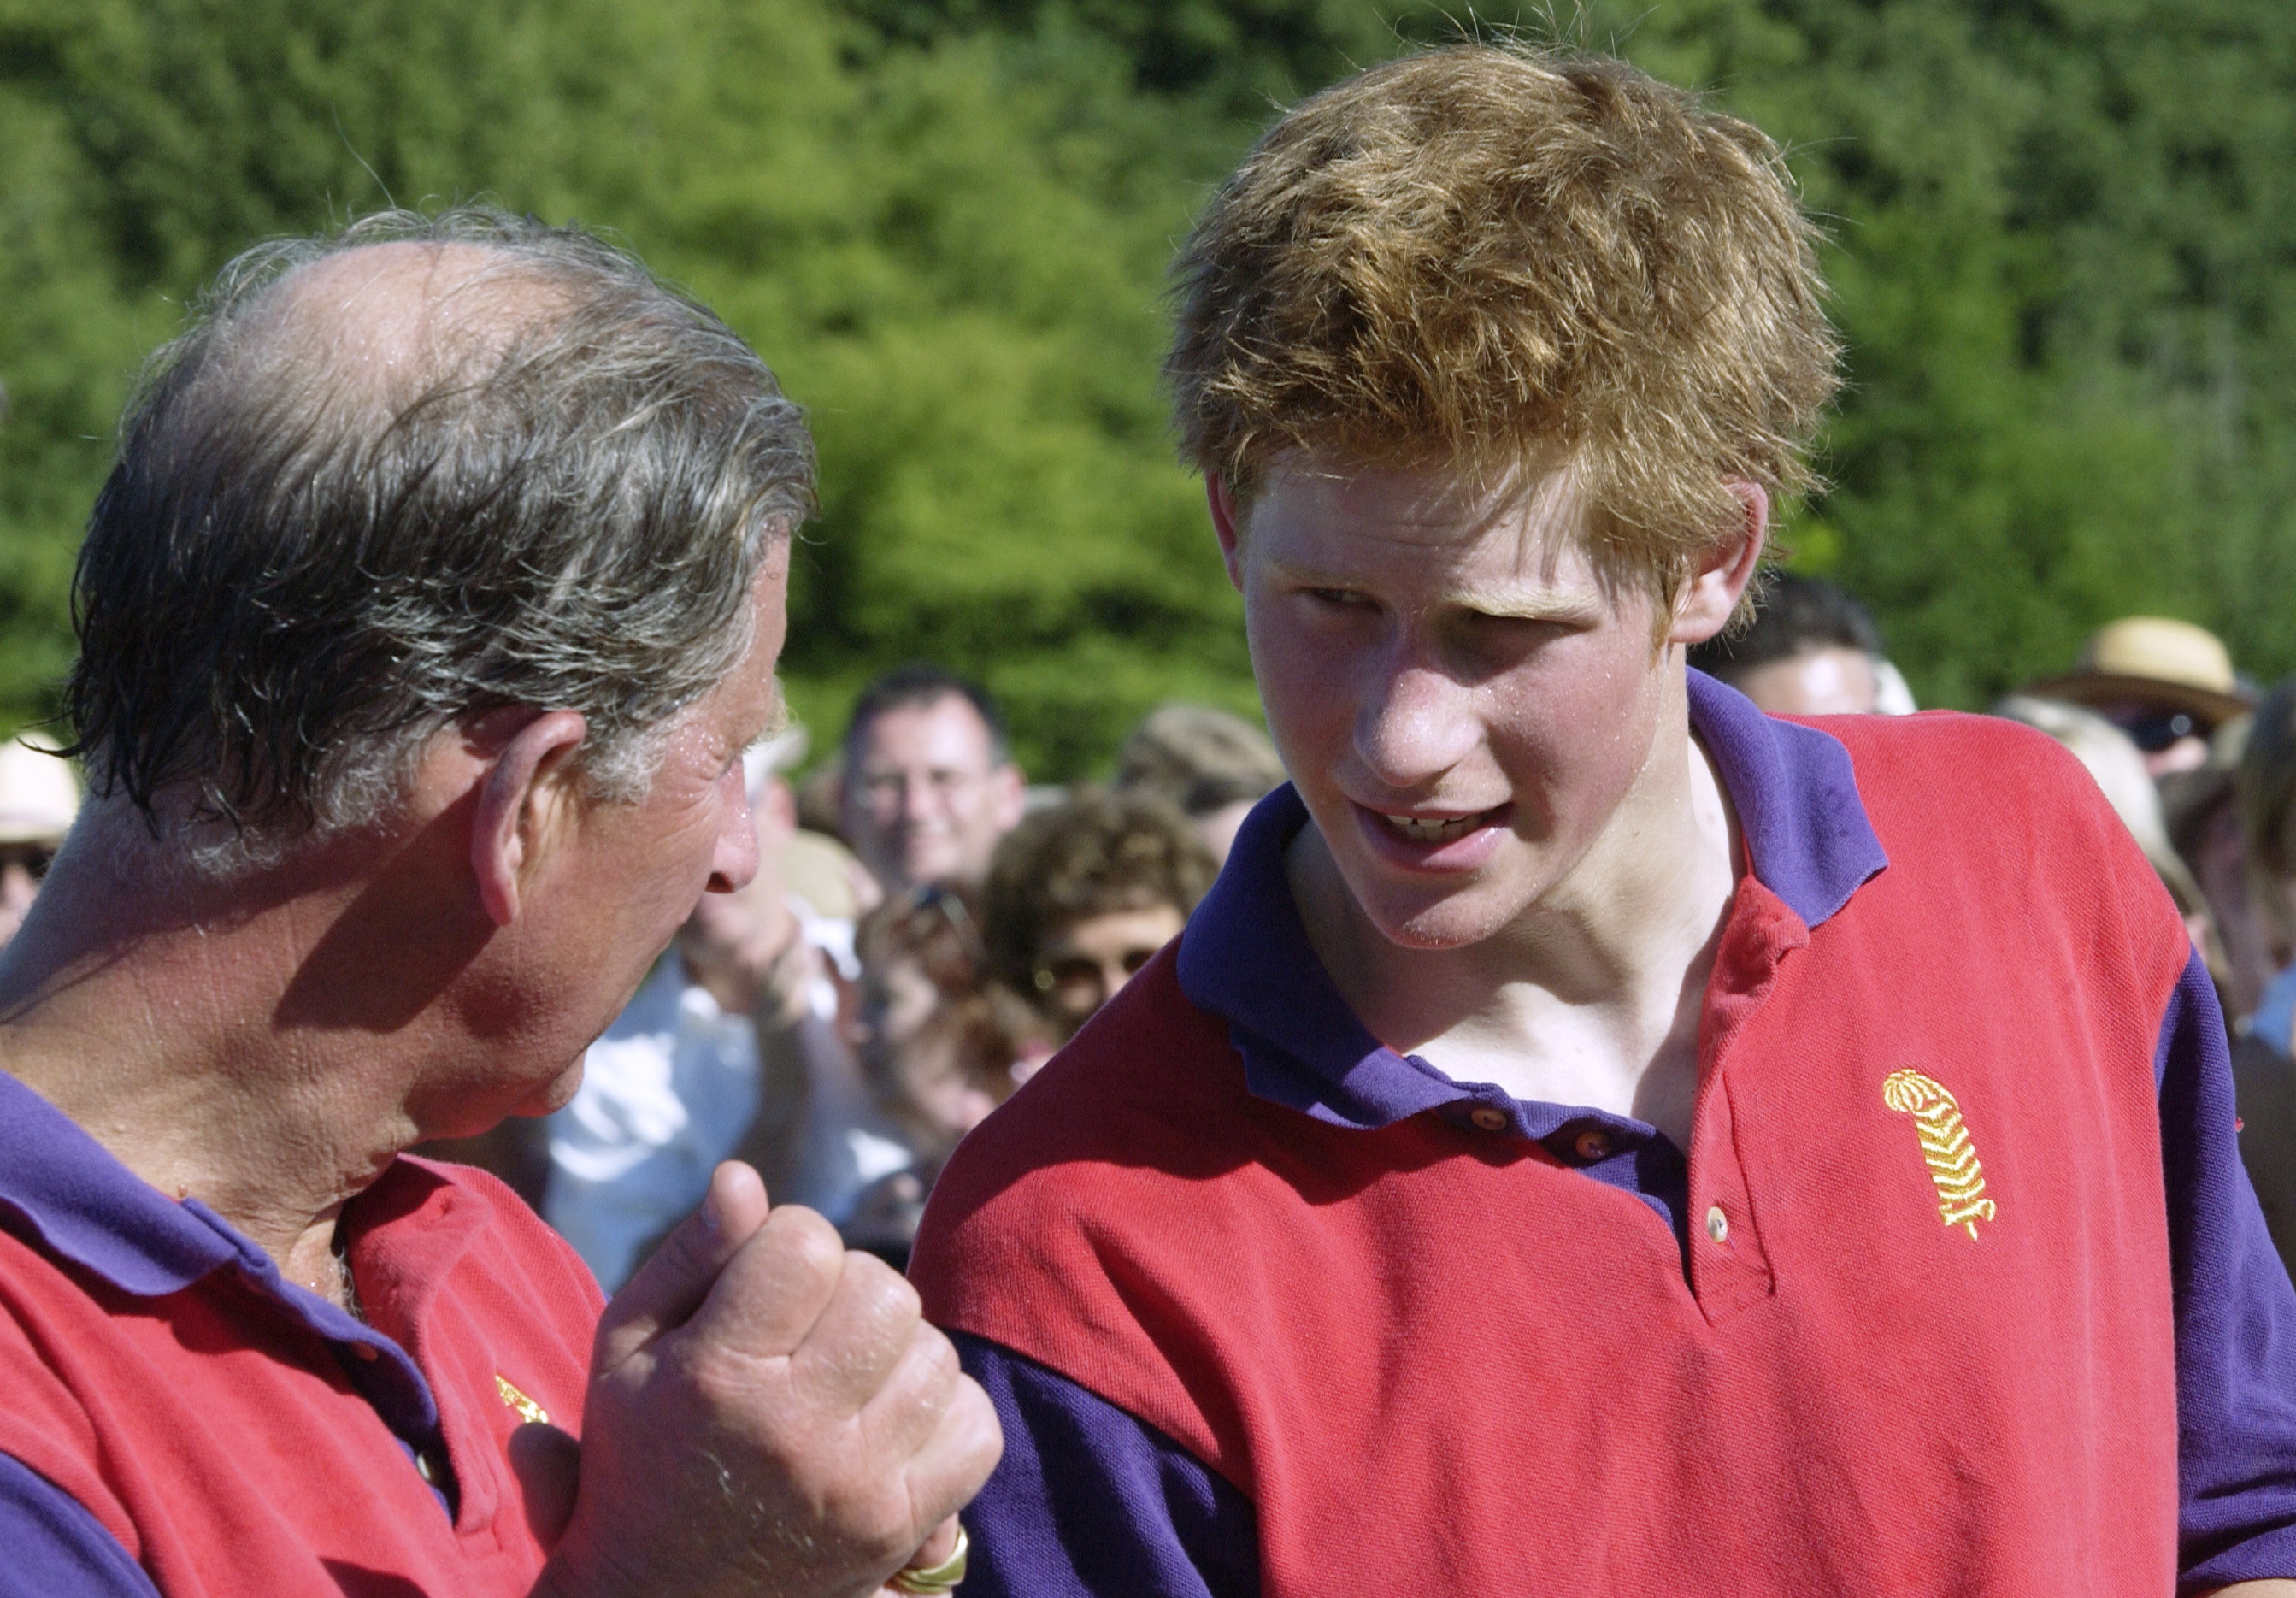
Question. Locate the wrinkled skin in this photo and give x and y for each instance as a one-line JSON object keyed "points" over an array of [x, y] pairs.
{"points": [[767, 1415]]}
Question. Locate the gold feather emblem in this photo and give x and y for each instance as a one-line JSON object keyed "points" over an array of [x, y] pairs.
{"points": [[1945, 1147], [527, 1408]]}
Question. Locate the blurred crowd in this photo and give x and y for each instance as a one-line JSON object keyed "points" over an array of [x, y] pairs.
{"points": [[927, 928]]}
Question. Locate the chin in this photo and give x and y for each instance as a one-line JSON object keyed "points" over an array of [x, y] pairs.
{"points": [[558, 1092], [1452, 921], [937, 866]]}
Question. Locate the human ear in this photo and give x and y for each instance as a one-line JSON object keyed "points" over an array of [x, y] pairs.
{"points": [[1711, 595], [520, 789], [1010, 787], [1224, 522]]}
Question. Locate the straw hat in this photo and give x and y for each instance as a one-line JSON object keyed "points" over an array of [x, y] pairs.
{"points": [[38, 793], [2153, 660]]}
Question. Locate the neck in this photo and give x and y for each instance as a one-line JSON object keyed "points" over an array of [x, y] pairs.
{"points": [[1592, 995], [178, 1026]]}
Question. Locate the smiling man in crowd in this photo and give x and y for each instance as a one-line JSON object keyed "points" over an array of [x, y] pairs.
{"points": [[1593, 1136], [929, 784], [424, 622]]}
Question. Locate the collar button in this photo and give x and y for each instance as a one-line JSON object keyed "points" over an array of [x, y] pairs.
{"points": [[1592, 1145], [1488, 1118]]}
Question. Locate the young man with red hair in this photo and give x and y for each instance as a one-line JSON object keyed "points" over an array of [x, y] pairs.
{"points": [[1594, 1136]]}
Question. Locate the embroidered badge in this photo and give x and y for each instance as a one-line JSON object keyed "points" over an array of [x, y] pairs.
{"points": [[527, 1408], [1945, 1147]]}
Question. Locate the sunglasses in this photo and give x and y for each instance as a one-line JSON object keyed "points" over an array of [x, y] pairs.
{"points": [[1076, 982], [2161, 730], [35, 858]]}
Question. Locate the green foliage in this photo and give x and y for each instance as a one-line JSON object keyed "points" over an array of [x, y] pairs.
{"points": [[2063, 231], [2063, 236], [951, 250], [1233, 53]]}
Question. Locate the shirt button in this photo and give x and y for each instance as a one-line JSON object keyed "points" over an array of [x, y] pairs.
{"points": [[1488, 1119], [424, 1468], [367, 1351], [1593, 1144], [1717, 1225]]}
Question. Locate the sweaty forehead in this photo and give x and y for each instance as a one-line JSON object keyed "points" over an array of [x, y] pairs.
{"points": [[1434, 529]]}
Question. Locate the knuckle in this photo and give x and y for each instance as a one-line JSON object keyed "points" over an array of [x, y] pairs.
{"points": [[887, 1291], [983, 1433], [933, 1351], [873, 1513], [809, 1242]]}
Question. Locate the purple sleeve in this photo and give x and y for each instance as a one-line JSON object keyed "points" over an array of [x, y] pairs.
{"points": [[1089, 1503], [2236, 1317], [56, 1548]]}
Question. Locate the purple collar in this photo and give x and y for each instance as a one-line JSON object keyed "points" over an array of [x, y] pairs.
{"points": [[83, 1206], [1246, 957]]}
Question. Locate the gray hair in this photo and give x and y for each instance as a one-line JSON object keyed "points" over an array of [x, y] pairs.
{"points": [[290, 584]]}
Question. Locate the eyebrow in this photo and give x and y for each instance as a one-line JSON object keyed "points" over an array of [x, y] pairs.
{"points": [[1508, 604], [1565, 607]]}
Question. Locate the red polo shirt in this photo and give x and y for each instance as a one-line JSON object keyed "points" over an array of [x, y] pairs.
{"points": [[232, 1434], [1960, 1271]]}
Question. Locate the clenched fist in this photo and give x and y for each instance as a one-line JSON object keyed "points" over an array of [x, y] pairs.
{"points": [[767, 1415]]}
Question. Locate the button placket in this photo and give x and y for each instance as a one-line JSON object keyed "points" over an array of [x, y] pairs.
{"points": [[1729, 1271]]}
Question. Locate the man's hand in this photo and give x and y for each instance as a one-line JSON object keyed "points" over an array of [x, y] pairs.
{"points": [[747, 949], [767, 1415]]}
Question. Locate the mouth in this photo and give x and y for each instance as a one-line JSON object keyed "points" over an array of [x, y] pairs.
{"points": [[1438, 842], [1436, 829]]}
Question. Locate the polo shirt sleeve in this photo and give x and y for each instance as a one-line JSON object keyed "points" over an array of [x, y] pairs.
{"points": [[56, 1548], [1090, 1503], [2236, 1317]]}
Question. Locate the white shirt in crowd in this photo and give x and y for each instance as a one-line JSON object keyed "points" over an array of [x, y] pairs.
{"points": [[667, 1093]]}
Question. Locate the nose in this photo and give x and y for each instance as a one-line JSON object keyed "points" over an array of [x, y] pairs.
{"points": [[734, 864], [920, 798], [1415, 723]]}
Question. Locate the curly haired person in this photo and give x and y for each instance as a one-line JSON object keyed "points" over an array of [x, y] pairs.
{"points": [[1082, 894], [1594, 1137]]}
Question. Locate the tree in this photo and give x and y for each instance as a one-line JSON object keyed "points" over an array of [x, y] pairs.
{"points": [[2063, 233], [950, 252], [2061, 242]]}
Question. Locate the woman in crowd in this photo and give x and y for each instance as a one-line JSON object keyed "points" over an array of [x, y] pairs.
{"points": [[1083, 894], [1080, 896]]}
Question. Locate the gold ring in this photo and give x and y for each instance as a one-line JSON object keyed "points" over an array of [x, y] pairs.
{"points": [[938, 1578]]}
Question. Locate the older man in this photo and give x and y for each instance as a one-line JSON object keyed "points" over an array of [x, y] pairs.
{"points": [[424, 622]]}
